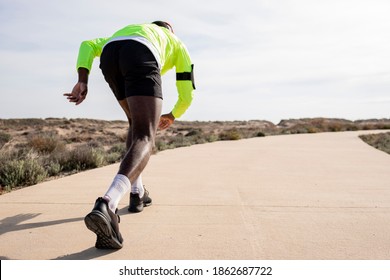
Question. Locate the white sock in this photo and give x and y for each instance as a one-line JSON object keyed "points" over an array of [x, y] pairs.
{"points": [[138, 187], [119, 187]]}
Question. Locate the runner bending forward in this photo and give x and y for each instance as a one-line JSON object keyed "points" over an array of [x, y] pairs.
{"points": [[132, 61]]}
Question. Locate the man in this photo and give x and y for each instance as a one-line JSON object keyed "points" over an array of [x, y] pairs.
{"points": [[132, 60]]}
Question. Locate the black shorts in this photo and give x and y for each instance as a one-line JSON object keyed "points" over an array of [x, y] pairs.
{"points": [[130, 69]]}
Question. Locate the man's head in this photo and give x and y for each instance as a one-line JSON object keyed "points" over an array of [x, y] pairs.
{"points": [[163, 24]]}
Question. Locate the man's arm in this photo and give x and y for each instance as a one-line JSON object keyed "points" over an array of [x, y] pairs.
{"points": [[185, 85], [185, 81], [87, 53], [80, 90]]}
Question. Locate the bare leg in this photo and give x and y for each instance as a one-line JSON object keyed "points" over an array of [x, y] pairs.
{"points": [[125, 107], [144, 113]]}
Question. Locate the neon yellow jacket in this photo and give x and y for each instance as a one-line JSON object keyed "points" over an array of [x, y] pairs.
{"points": [[168, 49]]}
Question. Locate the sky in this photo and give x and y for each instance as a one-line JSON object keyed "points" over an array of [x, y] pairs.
{"points": [[254, 60]]}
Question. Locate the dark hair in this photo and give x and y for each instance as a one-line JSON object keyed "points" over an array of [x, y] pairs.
{"points": [[163, 24]]}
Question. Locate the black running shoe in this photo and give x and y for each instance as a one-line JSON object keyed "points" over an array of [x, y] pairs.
{"points": [[105, 224], [137, 204]]}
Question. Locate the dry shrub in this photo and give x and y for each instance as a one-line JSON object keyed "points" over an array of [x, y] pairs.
{"points": [[45, 143]]}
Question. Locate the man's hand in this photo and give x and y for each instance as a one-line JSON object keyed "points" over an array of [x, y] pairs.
{"points": [[80, 90], [166, 120], [78, 94]]}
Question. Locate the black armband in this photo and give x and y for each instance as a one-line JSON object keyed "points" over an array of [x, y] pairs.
{"points": [[187, 76]]}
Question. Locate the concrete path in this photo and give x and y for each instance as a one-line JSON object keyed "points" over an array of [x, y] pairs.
{"points": [[312, 196]]}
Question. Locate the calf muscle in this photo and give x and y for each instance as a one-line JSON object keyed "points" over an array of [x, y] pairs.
{"points": [[144, 112]]}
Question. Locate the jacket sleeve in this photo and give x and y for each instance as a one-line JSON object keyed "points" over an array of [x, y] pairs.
{"points": [[88, 51], [184, 81]]}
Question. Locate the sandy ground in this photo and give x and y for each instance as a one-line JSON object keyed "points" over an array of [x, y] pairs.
{"points": [[309, 196]]}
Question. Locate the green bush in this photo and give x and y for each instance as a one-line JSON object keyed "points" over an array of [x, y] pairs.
{"points": [[34, 172], [113, 157], [380, 141], [179, 141], [4, 138], [260, 134], [21, 172], [232, 134], [118, 148], [211, 137], [81, 158], [28, 167], [53, 168], [161, 145], [115, 153], [194, 132]]}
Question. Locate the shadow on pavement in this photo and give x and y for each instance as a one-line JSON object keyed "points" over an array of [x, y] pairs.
{"points": [[10, 224], [87, 254]]}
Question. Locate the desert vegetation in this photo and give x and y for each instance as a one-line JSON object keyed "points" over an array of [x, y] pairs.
{"points": [[380, 141], [34, 150]]}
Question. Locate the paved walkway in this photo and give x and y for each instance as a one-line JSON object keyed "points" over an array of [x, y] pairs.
{"points": [[309, 196]]}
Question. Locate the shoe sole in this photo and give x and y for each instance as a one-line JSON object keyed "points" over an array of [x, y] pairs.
{"points": [[98, 224]]}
